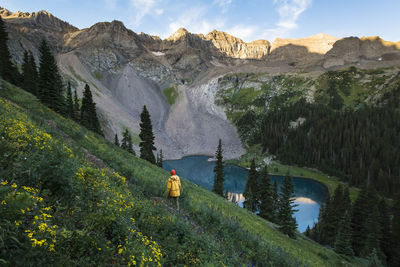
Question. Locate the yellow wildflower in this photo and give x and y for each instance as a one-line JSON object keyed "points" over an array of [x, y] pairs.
{"points": [[3, 202], [14, 185], [4, 183], [120, 251]]}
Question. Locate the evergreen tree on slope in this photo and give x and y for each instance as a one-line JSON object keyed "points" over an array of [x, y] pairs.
{"points": [[116, 141], [343, 238], [218, 187], [147, 137], [286, 220], [29, 73], [7, 70], [50, 86], [70, 103], [251, 191], [88, 112], [267, 208]]}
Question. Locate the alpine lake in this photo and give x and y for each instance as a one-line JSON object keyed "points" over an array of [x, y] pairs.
{"points": [[309, 194]]}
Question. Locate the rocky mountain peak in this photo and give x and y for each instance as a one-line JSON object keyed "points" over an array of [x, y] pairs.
{"points": [[235, 47], [41, 19], [181, 32]]}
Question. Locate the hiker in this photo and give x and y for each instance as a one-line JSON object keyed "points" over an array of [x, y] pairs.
{"points": [[174, 188]]}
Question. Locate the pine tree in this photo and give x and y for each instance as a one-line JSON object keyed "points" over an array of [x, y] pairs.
{"points": [[29, 74], [372, 227], [286, 220], [275, 198], [50, 85], [130, 145], [266, 196], [358, 221], [88, 112], [396, 232], [7, 70], [147, 137], [76, 107], [70, 104], [251, 191], [116, 141], [307, 233], [125, 139], [386, 228], [35, 73], [343, 238], [373, 260], [218, 187]]}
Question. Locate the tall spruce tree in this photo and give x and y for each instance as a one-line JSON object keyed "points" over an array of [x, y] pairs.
{"points": [[275, 198], [70, 103], [50, 84], [116, 141], [125, 139], [396, 232], [343, 238], [77, 109], [88, 112], [218, 187], [386, 229], [29, 73], [130, 145], [286, 220], [251, 191], [8, 71], [147, 137], [358, 221], [267, 208]]}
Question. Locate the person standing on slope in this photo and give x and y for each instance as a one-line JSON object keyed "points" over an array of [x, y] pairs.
{"points": [[174, 188]]}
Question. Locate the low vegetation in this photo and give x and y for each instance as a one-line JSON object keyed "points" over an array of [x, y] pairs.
{"points": [[171, 94]]}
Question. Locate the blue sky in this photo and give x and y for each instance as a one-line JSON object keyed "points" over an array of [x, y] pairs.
{"points": [[247, 19]]}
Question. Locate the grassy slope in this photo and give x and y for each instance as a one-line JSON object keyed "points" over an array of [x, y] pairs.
{"points": [[198, 203]]}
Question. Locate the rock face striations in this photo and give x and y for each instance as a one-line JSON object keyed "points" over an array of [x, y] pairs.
{"points": [[236, 48], [176, 77]]}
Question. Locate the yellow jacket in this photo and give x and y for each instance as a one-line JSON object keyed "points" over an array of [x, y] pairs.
{"points": [[174, 186]]}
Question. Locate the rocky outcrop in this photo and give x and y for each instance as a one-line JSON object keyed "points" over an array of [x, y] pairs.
{"points": [[295, 50], [236, 48], [353, 50]]}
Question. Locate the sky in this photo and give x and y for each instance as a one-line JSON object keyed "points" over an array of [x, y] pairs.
{"points": [[247, 19]]}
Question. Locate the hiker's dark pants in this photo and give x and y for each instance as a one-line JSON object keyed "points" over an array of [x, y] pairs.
{"points": [[176, 200]]}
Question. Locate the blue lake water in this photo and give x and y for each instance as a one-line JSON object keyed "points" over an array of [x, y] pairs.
{"points": [[309, 194]]}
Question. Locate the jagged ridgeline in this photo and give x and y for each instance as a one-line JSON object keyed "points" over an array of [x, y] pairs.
{"points": [[345, 123], [176, 77]]}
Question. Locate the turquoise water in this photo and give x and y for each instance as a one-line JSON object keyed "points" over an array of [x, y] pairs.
{"points": [[309, 194]]}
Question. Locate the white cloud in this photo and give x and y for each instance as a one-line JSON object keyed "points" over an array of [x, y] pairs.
{"points": [[141, 9], [224, 4], [194, 21], [244, 32], [289, 12], [159, 11]]}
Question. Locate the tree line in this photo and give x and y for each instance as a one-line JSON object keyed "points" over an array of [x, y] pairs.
{"points": [[360, 146], [369, 227]]}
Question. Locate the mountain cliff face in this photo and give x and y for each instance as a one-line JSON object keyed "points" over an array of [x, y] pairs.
{"points": [[236, 48], [127, 70]]}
